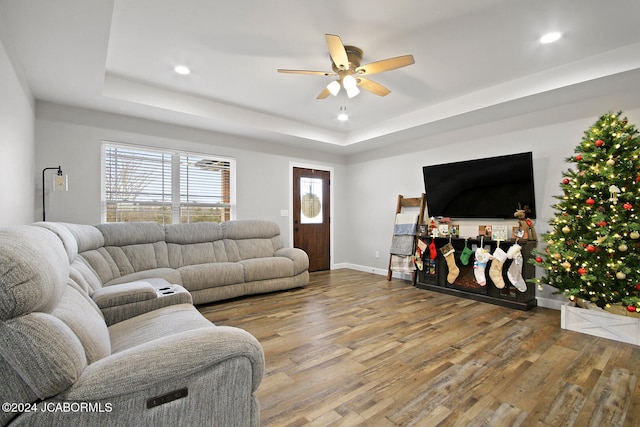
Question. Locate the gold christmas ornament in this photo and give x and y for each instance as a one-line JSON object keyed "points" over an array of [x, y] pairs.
{"points": [[622, 248], [620, 275], [611, 162], [634, 235], [566, 229]]}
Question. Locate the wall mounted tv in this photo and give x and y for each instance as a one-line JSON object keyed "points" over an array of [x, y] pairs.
{"points": [[492, 187]]}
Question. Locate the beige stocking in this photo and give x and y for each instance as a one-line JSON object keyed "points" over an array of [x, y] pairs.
{"points": [[448, 252], [495, 271]]}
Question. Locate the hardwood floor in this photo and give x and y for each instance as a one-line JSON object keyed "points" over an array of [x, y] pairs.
{"points": [[354, 349]]}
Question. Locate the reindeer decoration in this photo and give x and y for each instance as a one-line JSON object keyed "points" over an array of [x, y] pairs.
{"points": [[526, 225]]}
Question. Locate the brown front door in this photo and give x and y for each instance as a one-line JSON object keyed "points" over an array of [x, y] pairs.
{"points": [[311, 230]]}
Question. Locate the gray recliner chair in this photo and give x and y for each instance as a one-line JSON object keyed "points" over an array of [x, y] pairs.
{"points": [[60, 364]]}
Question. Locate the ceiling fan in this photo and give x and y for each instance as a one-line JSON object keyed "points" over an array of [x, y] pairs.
{"points": [[345, 62]]}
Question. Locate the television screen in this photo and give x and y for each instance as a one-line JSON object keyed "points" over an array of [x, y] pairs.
{"points": [[492, 187]]}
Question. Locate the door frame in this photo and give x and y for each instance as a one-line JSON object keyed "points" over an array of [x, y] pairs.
{"points": [[331, 206]]}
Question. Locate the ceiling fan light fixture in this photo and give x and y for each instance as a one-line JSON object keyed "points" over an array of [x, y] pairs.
{"points": [[334, 87], [352, 91], [349, 82]]}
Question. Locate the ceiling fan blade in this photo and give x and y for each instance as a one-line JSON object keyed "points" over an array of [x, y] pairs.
{"points": [[317, 73], [373, 87], [386, 65], [325, 92], [337, 51]]}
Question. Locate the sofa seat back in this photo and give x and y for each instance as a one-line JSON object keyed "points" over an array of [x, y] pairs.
{"points": [[49, 328], [195, 244], [128, 248], [248, 239]]}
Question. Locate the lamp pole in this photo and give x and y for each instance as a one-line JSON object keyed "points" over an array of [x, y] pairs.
{"points": [[44, 216]]}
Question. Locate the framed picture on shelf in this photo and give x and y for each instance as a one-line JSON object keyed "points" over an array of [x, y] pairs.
{"points": [[485, 231], [499, 232], [518, 233]]}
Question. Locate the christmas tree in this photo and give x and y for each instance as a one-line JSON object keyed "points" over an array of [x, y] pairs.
{"points": [[593, 247]]}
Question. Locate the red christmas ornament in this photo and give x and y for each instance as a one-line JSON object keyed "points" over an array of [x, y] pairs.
{"points": [[590, 202], [631, 308], [638, 178], [638, 286], [582, 271], [565, 181], [539, 259], [602, 223], [579, 157], [591, 248], [599, 143], [628, 206]]}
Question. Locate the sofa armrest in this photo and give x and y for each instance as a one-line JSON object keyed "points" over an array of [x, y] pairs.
{"points": [[168, 359], [125, 300], [124, 293], [198, 377], [298, 256]]}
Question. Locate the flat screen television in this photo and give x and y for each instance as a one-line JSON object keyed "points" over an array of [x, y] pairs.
{"points": [[492, 187]]}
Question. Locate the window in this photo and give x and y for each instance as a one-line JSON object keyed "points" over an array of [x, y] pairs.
{"points": [[145, 184]]}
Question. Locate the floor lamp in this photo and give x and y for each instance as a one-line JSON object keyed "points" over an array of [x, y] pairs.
{"points": [[60, 183]]}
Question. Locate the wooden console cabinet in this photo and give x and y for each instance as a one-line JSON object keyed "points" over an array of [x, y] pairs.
{"points": [[433, 276]]}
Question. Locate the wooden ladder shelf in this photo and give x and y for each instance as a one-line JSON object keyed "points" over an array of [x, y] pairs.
{"points": [[409, 202]]}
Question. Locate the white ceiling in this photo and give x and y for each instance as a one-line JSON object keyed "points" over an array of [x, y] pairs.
{"points": [[475, 60]]}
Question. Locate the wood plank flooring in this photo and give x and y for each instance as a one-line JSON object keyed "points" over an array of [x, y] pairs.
{"points": [[352, 349]]}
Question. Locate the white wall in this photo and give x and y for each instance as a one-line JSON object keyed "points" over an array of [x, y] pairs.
{"points": [[376, 178], [72, 137], [17, 172]]}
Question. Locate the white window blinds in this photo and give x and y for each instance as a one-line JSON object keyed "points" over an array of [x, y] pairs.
{"points": [[143, 184]]}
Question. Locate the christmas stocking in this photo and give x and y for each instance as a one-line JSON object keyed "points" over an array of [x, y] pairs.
{"points": [[465, 255], [417, 259], [495, 272], [433, 253], [514, 273], [482, 256], [448, 253], [419, 254]]}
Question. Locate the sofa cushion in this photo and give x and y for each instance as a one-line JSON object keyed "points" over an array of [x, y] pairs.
{"points": [[44, 351], [139, 257], [249, 229], [197, 277], [162, 274], [33, 267], [66, 237], [181, 255], [84, 275], [194, 232], [156, 324], [86, 322], [267, 268], [131, 233]]}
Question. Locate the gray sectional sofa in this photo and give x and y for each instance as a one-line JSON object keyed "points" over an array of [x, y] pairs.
{"points": [[98, 327], [135, 267]]}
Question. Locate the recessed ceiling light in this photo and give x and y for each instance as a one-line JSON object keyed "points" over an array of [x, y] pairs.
{"points": [[182, 69], [550, 37]]}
